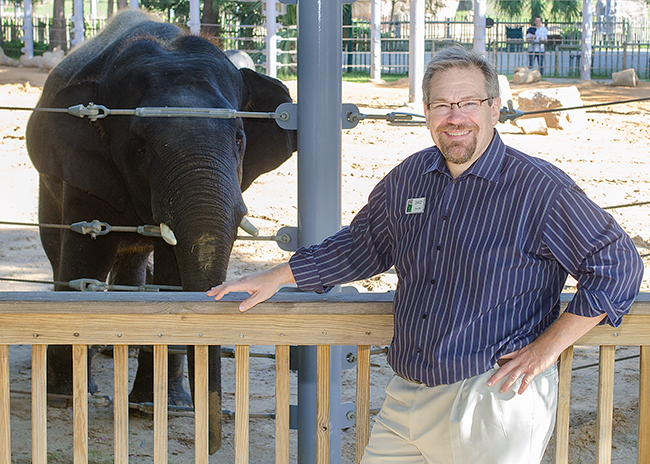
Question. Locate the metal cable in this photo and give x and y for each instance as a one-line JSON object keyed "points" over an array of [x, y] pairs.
{"points": [[95, 112]]}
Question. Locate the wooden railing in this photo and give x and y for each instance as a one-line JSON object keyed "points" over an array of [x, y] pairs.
{"points": [[163, 319]]}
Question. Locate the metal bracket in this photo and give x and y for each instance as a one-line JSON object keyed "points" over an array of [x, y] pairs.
{"points": [[290, 121], [350, 117], [348, 356], [290, 244]]}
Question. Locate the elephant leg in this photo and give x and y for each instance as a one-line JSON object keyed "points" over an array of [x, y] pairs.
{"points": [[131, 265], [214, 393], [142, 391], [59, 374]]}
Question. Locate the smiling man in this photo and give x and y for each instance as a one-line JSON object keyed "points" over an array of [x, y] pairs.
{"points": [[482, 238]]}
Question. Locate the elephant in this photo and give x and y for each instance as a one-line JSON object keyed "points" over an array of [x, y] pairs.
{"points": [[187, 173]]}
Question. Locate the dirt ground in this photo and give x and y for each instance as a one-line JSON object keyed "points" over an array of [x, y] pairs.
{"points": [[609, 159]]}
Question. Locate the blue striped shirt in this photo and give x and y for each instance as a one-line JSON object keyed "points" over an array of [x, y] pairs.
{"points": [[481, 259]]}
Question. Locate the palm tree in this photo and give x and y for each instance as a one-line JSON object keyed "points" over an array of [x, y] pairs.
{"points": [[565, 10]]}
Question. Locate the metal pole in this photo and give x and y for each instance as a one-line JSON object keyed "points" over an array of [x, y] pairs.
{"points": [[416, 50], [375, 41], [28, 30], [93, 12], [320, 60], [195, 17], [587, 34], [133, 4], [271, 38], [78, 22], [480, 10]]}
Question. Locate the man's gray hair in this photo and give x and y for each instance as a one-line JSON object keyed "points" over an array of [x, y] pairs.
{"points": [[456, 57]]}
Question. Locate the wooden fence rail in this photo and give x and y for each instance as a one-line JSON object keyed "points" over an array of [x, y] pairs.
{"points": [[163, 319]]}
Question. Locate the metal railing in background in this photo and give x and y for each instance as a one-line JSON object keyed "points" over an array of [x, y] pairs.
{"points": [[616, 45]]}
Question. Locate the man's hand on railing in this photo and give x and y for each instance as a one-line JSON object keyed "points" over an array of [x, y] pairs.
{"points": [[260, 286]]}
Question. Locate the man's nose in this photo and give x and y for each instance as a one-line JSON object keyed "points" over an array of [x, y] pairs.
{"points": [[455, 114]]}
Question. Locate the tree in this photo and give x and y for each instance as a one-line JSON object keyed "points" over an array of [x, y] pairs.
{"points": [[566, 10], [59, 29]]}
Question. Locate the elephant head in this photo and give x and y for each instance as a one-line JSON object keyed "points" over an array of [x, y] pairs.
{"points": [[186, 172]]}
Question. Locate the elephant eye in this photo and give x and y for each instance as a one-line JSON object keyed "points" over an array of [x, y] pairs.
{"points": [[239, 140]]}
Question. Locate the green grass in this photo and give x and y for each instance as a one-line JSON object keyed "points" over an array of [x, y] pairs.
{"points": [[361, 76]]}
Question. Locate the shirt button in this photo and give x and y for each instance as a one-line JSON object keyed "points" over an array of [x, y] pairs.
{"points": [[433, 281], [418, 350], [424, 316], [444, 218], [438, 247]]}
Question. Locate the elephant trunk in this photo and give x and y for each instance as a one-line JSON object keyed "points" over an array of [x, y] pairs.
{"points": [[203, 210]]}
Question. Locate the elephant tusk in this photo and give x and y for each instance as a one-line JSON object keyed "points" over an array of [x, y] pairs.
{"points": [[167, 234], [249, 228]]}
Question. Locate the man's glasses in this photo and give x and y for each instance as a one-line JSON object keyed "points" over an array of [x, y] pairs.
{"points": [[466, 106]]}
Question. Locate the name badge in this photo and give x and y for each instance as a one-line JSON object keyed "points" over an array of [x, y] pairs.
{"points": [[415, 205]]}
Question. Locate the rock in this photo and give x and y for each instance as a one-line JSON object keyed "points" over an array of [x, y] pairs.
{"points": [[240, 59], [6, 61], [506, 93], [533, 126], [562, 97], [51, 59], [33, 62], [625, 78], [526, 76]]}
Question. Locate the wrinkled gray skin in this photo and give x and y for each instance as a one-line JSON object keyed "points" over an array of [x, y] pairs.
{"points": [[240, 59], [185, 172]]}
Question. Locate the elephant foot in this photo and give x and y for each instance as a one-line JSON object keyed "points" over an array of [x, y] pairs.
{"points": [[59, 375], [142, 391]]}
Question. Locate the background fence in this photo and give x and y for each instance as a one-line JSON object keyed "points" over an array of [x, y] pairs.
{"points": [[616, 45]]}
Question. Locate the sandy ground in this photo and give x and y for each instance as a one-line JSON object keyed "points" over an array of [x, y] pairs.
{"points": [[608, 159]]}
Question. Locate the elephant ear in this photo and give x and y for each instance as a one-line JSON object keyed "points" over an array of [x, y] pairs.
{"points": [[267, 145], [75, 149]]}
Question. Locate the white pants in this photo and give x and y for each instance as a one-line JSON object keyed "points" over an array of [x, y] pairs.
{"points": [[464, 423]]}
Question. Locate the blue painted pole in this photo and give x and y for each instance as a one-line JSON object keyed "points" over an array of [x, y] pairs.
{"points": [[319, 187]]}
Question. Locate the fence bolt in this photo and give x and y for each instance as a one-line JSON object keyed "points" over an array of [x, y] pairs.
{"points": [[282, 335], [200, 335], [351, 415], [35, 335], [615, 334], [368, 332], [76, 334], [324, 333], [160, 335], [241, 335], [119, 335]]}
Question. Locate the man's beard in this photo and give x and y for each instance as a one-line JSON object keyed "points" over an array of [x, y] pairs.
{"points": [[456, 152]]}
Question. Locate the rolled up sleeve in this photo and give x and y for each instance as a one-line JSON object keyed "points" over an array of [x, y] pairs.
{"points": [[591, 246], [356, 252]]}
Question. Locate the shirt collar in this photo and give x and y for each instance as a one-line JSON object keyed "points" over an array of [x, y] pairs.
{"points": [[487, 166]]}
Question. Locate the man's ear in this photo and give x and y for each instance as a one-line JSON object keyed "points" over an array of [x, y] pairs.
{"points": [[426, 113], [495, 110]]}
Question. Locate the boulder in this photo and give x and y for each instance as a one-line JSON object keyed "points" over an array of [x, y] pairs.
{"points": [[33, 62], [526, 76], [51, 59], [506, 93], [240, 59], [532, 126], [6, 61], [562, 97], [625, 78]]}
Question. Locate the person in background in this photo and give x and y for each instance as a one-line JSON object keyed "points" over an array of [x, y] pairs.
{"points": [[482, 238], [537, 37]]}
